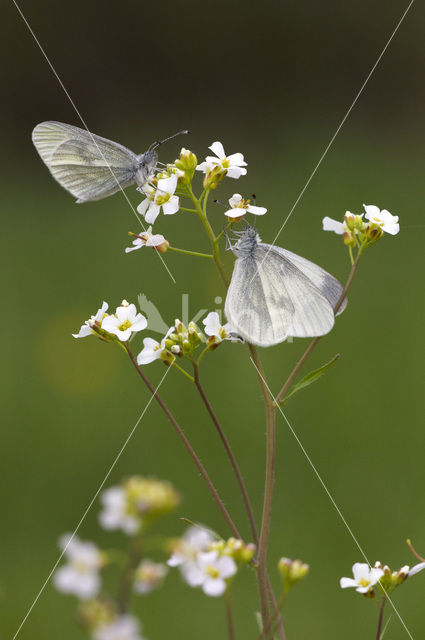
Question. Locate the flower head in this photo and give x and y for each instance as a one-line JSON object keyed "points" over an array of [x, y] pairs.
{"points": [[154, 350], [210, 572], [80, 576], [95, 322], [137, 502], [239, 207], [187, 547], [364, 577], [148, 239], [382, 219], [216, 331], [160, 196], [125, 321], [149, 576], [232, 165], [124, 627]]}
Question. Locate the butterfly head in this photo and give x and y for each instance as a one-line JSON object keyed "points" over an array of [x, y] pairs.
{"points": [[248, 239]]}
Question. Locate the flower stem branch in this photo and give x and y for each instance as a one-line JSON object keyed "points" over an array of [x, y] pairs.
{"points": [[229, 452], [191, 253], [126, 582], [188, 446], [282, 393]]}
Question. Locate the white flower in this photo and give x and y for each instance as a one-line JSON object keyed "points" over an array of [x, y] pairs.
{"points": [[86, 328], [125, 321], [232, 164], [416, 569], [210, 572], [149, 576], [364, 577], [147, 239], [125, 627], [239, 207], [329, 224], [80, 576], [114, 514], [214, 328], [190, 544], [163, 196], [152, 349], [383, 219]]}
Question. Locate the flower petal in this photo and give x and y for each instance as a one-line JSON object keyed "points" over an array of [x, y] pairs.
{"points": [[218, 149], [171, 206], [237, 160], [333, 225], [214, 587], [257, 211], [152, 213]]}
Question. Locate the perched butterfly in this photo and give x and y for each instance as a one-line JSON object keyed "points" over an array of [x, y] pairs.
{"points": [[91, 167], [275, 293]]}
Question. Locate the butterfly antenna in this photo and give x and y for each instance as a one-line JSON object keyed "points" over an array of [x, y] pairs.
{"points": [[157, 143]]}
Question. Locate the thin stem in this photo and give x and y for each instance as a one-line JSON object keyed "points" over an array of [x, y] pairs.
{"points": [[188, 210], [229, 615], [188, 446], [381, 618], [229, 452], [191, 253], [276, 620], [281, 395], [126, 582], [268, 487], [185, 373]]}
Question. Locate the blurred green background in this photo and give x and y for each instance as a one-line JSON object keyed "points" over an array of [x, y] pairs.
{"points": [[272, 80]]}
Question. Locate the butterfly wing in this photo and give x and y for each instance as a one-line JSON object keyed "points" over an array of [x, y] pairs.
{"points": [[270, 298], [329, 286], [86, 165]]}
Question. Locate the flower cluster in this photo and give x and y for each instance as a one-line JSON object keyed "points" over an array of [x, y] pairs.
{"points": [[80, 575], [209, 563], [291, 571], [365, 578], [359, 233], [132, 506]]}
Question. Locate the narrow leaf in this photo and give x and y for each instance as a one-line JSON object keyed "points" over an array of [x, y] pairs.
{"points": [[310, 378]]}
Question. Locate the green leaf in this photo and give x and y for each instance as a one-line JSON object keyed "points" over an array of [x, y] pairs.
{"points": [[310, 378]]}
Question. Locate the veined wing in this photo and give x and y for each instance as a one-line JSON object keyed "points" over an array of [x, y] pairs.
{"points": [[88, 166], [270, 299], [329, 286]]}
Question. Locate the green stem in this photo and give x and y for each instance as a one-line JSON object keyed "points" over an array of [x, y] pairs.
{"points": [[229, 452], [191, 253], [282, 393], [185, 373], [188, 210], [187, 444], [229, 615], [127, 577]]}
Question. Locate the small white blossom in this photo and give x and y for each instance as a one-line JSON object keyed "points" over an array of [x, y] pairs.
{"points": [[364, 577], [80, 576], [125, 627], [125, 321], [152, 349], [213, 327], [239, 207], [161, 196], [86, 328], [149, 576], [415, 569], [233, 164], [383, 219], [114, 514], [190, 544], [210, 572], [147, 239], [329, 224]]}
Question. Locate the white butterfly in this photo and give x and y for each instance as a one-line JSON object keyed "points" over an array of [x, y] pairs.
{"points": [[275, 293], [88, 166]]}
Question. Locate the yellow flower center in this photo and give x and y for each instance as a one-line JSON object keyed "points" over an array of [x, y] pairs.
{"points": [[363, 582], [212, 571], [125, 325]]}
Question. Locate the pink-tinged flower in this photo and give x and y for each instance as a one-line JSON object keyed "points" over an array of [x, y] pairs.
{"points": [[364, 577], [147, 239], [233, 164]]}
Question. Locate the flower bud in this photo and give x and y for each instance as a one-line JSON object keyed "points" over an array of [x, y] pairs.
{"points": [[291, 572], [213, 177], [186, 164]]}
